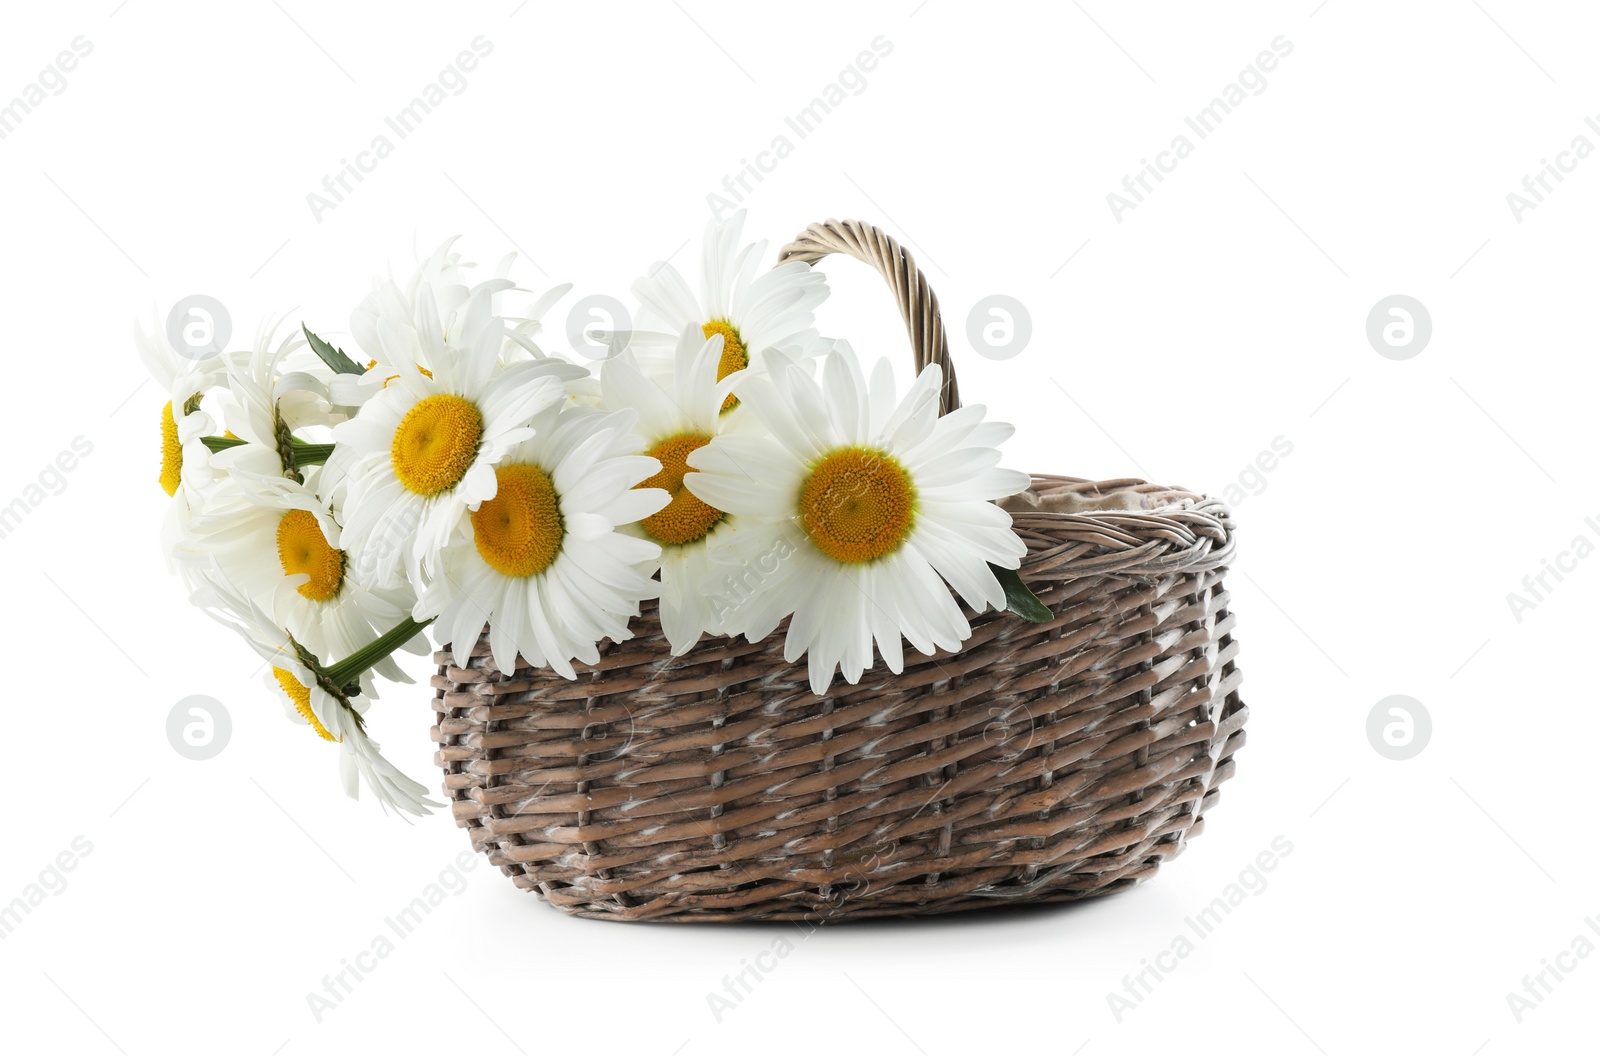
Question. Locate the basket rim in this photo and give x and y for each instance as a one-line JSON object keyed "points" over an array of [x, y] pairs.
{"points": [[1054, 494]]}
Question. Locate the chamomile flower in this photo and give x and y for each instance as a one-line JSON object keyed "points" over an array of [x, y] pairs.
{"points": [[424, 449], [753, 312], [393, 324], [872, 502], [311, 698], [186, 471], [184, 380], [679, 415], [542, 561], [277, 543], [269, 395]]}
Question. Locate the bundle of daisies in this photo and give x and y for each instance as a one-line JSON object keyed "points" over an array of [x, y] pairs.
{"points": [[727, 461]]}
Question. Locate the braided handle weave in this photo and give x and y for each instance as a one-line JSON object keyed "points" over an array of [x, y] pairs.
{"points": [[919, 306]]}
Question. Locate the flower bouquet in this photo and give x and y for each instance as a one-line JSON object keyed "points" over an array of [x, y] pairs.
{"points": [[757, 498]]}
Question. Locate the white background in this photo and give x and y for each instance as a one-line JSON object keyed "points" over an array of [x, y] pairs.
{"points": [[1226, 310]]}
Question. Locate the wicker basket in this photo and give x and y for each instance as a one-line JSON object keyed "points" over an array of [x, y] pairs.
{"points": [[1041, 763]]}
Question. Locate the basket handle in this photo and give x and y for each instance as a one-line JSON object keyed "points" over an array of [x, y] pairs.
{"points": [[919, 306]]}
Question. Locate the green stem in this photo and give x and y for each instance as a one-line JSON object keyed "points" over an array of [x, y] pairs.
{"points": [[311, 454], [220, 443], [351, 667]]}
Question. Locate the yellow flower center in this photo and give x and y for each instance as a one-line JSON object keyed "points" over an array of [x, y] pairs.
{"points": [[171, 452], [303, 548], [301, 697], [734, 356], [436, 443], [685, 519], [857, 505], [518, 532]]}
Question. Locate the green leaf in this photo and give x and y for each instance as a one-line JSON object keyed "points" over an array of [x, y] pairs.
{"points": [[221, 443], [1019, 599], [333, 357]]}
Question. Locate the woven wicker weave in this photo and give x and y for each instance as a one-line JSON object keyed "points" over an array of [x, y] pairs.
{"points": [[1041, 763]]}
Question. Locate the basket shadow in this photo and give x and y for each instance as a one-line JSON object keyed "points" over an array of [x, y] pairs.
{"points": [[990, 917]]}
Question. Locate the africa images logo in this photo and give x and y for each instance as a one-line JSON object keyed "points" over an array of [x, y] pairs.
{"points": [[1252, 80]]}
